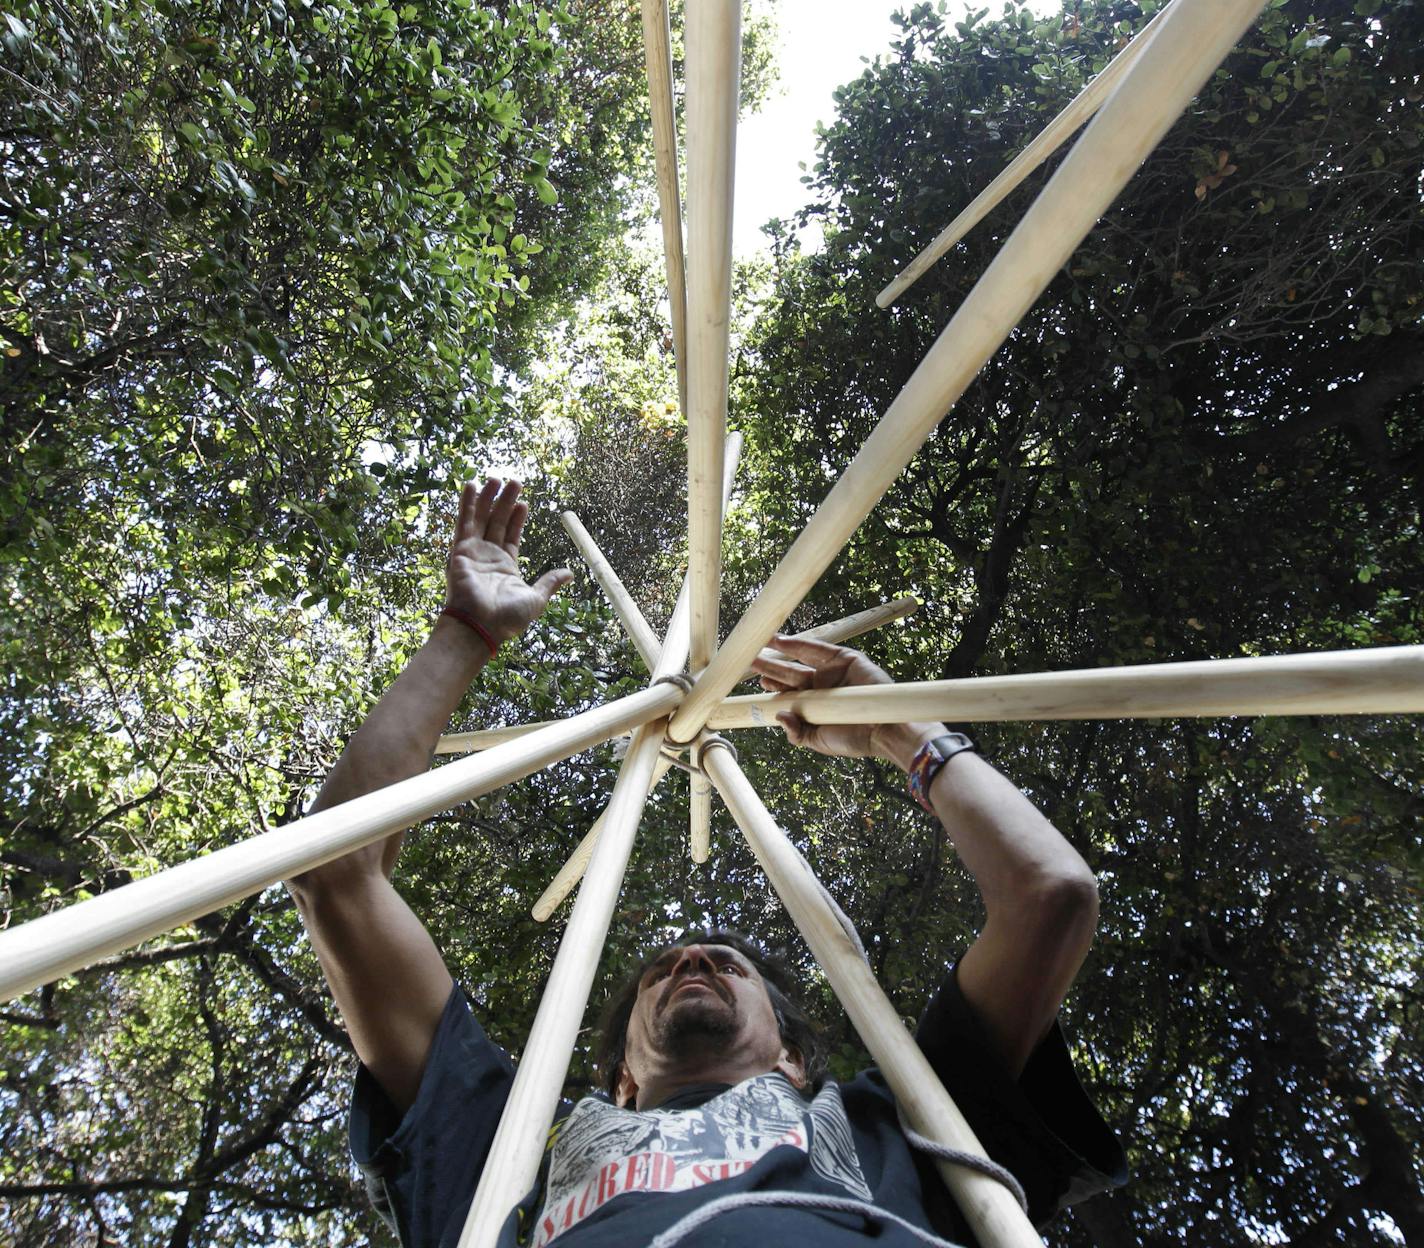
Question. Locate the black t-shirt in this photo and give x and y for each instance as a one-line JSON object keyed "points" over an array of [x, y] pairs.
{"points": [[615, 1178]]}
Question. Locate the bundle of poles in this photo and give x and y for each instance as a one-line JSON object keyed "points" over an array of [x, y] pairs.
{"points": [[1135, 99]]}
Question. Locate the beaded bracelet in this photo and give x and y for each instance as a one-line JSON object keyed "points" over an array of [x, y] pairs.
{"points": [[929, 758]]}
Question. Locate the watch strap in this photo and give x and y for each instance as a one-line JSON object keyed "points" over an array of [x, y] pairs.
{"points": [[928, 760]]}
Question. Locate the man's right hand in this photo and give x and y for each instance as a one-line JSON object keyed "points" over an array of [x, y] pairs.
{"points": [[482, 572], [383, 968], [821, 665]]}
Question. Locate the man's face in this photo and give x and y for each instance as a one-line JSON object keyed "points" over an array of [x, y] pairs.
{"points": [[701, 1009]]}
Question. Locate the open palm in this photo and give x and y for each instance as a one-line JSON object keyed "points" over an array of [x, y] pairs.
{"points": [[482, 573]]}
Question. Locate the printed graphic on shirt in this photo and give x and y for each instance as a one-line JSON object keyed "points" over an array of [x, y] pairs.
{"points": [[603, 1151]]}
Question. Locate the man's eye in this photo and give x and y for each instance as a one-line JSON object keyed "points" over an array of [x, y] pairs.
{"points": [[731, 968]]}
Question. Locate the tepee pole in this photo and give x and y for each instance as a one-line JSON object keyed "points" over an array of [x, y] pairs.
{"points": [[43, 949], [1194, 37], [657, 51], [518, 1145], [640, 633], [572, 871], [714, 50], [992, 1213], [1388, 680], [1049, 140]]}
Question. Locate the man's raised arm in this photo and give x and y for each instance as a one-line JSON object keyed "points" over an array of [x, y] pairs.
{"points": [[1040, 897], [385, 973]]}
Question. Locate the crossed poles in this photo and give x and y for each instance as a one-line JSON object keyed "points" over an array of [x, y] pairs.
{"points": [[1135, 99]]}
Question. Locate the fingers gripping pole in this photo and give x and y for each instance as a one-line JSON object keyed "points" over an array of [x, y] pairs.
{"points": [[518, 1145], [988, 1206], [644, 640], [714, 46], [1388, 680], [1193, 38], [1048, 141], [46, 948], [853, 625]]}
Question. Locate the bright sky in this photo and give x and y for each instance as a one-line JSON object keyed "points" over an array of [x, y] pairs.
{"points": [[821, 45]]}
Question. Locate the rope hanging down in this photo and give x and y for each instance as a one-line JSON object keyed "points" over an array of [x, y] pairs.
{"points": [[971, 1161]]}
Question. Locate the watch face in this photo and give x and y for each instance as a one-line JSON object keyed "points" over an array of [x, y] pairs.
{"points": [[953, 743]]}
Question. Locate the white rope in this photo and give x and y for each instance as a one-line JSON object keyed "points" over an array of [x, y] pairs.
{"points": [[685, 1225], [970, 1161]]}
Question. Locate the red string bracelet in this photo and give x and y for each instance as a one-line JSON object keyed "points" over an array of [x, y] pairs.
{"points": [[469, 621]]}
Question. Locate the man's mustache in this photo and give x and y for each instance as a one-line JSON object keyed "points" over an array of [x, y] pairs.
{"points": [[680, 981]]}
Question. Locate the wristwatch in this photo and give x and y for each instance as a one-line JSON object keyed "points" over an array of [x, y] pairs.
{"points": [[930, 757]]}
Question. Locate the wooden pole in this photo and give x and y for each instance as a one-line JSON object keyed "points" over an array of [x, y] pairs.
{"points": [[837, 630], [1384, 681], [699, 835], [991, 1210], [518, 1145], [657, 50], [1193, 38], [572, 870], [644, 640], [714, 48], [469, 742], [1049, 140], [854, 625], [43, 949], [699, 794]]}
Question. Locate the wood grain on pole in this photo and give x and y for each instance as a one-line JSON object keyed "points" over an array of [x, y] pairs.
{"points": [[699, 805], [713, 51], [991, 1211], [1193, 38], [853, 625], [1049, 140], [1388, 680], [43, 949], [657, 51], [644, 640], [518, 1145], [469, 742], [572, 870]]}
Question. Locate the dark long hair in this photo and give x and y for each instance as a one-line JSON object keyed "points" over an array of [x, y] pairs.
{"points": [[798, 1031]]}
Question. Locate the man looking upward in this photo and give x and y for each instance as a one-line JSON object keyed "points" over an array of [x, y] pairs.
{"points": [[718, 1125]]}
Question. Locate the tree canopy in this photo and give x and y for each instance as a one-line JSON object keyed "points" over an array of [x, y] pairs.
{"points": [[276, 277]]}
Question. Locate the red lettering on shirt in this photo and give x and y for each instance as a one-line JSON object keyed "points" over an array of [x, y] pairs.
{"points": [[664, 1172], [607, 1182]]}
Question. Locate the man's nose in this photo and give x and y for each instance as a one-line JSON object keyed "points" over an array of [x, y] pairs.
{"points": [[695, 960]]}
